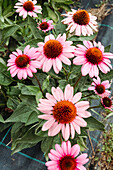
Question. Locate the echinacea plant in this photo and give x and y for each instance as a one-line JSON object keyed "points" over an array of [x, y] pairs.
{"points": [[42, 82]]}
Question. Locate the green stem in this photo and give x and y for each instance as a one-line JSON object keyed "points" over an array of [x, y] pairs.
{"points": [[78, 80], [66, 73], [88, 95], [2, 104], [94, 107], [2, 91], [60, 137], [39, 85]]}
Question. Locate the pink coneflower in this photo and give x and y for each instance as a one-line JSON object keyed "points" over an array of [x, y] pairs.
{"points": [[45, 25], [100, 88], [23, 64], [25, 7], [91, 57], [55, 51], [65, 157], [63, 112], [80, 22], [107, 102]]}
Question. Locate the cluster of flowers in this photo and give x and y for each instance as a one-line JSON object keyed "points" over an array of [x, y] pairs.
{"points": [[63, 110]]}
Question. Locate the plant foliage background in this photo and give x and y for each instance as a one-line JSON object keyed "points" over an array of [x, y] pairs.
{"points": [[19, 98]]}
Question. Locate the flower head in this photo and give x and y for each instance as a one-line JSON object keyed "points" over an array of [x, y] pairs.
{"points": [[55, 51], [92, 56], [65, 157], [100, 88], [23, 64], [80, 22], [107, 102], [64, 112], [26, 7], [45, 25]]}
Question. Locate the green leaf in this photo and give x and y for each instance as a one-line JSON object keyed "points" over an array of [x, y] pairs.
{"points": [[33, 26], [82, 38], [38, 96], [21, 113], [65, 6], [25, 137], [81, 143], [41, 77], [62, 84], [13, 91], [13, 102], [56, 140], [107, 48], [4, 126], [42, 133], [1, 119], [28, 90], [108, 76], [63, 1], [46, 145], [5, 77], [32, 118], [45, 83], [54, 75], [32, 43], [60, 28], [10, 30], [29, 100], [94, 124], [2, 61], [52, 14]]}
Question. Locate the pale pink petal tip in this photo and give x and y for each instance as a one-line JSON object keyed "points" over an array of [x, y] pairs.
{"points": [[91, 62], [55, 51], [25, 8], [58, 157], [56, 121], [85, 27], [23, 64], [100, 88]]}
